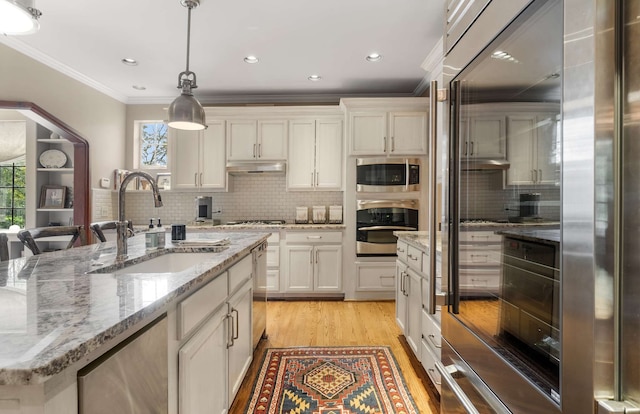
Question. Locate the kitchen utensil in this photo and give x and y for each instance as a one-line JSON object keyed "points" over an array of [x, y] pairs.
{"points": [[53, 158]]}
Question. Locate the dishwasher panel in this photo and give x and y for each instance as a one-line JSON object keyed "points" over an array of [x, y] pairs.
{"points": [[131, 378]]}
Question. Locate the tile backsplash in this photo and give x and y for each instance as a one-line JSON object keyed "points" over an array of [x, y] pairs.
{"points": [[249, 197], [494, 201]]}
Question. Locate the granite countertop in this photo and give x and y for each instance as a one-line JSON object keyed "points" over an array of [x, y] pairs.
{"points": [[501, 225], [55, 314], [420, 239], [536, 235]]}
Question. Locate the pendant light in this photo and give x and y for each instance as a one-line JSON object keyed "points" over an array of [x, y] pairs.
{"points": [[18, 17], [185, 112]]}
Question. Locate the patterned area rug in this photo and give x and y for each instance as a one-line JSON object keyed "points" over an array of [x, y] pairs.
{"points": [[334, 380]]}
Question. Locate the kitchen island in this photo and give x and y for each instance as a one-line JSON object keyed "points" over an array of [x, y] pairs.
{"points": [[63, 310]]}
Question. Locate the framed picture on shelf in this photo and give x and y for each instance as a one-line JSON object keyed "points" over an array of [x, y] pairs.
{"points": [[164, 181], [53, 196]]}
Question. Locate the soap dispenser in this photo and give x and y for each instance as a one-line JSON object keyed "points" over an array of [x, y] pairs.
{"points": [[161, 234], [151, 237]]}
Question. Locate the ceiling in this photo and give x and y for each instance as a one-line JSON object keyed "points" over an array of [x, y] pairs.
{"points": [[293, 39]]}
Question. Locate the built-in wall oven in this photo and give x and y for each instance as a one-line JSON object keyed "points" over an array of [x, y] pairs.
{"points": [[376, 222], [388, 175]]}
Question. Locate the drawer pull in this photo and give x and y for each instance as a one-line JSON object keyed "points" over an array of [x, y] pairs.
{"points": [[314, 237], [432, 338], [399, 250], [433, 373]]}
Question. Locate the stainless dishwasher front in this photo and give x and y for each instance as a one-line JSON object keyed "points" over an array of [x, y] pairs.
{"points": [[131, 378]]}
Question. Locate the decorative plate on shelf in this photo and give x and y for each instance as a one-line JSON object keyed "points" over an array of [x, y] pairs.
{"points": [[53, 158]]}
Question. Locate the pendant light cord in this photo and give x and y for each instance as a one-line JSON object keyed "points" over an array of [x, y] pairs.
{"points": [[188, 35]]}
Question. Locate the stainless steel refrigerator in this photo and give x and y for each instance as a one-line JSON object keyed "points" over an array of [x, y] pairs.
{"points": [[543, 299]]}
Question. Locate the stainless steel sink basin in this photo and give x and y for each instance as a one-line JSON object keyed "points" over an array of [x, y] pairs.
{"points": [[173, 262]]}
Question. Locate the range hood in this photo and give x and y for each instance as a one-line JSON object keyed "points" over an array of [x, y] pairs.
{"points": [[484, 164], [248, 167]]}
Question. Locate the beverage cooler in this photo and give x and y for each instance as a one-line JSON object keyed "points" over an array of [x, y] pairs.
{"points": [[549, 91]]}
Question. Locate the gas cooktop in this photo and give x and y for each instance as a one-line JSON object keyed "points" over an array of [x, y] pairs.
{"points": [[255, 222]]}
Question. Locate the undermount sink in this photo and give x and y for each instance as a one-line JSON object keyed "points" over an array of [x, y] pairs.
{"points": [[173, 262]]}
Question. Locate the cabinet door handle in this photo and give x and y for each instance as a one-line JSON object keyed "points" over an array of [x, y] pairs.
{"points": [[200, 179], [540, 176], [393, 144], [229, 319], [402, 282], [471, 148], [317, 256], [535, 174], [384, 143], [532, 180], [254, 150], [236, 325], [466, 144], [310, 256], [317, 178], [312, 179], [406, 291], [399, 250], [259, 150], [195, 179]]}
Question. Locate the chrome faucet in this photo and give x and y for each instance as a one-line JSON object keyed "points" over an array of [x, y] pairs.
{"points": [[121, 224]]}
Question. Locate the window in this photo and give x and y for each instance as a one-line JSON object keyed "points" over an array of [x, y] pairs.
{"points": [[12, 193], [152, 145]]}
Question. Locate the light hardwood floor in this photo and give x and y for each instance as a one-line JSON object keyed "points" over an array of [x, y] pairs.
{"points": [[334, 323]]}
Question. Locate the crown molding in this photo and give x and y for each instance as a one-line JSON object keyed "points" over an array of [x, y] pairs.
{"points": [[435, 56], [267, 99], [46, 60]]}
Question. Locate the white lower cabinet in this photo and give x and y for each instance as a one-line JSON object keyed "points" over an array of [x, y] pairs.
{"points": [[202, 362], [240, 345], [408, 305], [313, 262], [218, 348], [413, 293]]}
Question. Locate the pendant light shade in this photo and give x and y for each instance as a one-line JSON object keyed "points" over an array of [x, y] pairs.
{"points": [[185, 112], [18, 17]]}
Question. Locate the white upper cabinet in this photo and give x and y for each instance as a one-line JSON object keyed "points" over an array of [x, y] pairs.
{"points": [[256, 140], [387, 127], [198, 158], [408, 133], [315, 155], [532, 149], [484, 137]]}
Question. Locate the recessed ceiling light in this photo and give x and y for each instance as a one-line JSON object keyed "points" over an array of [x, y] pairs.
{"points": [[314, 78], [501, 55], [251, 59], [130, 62], [374, 57], [139, 87]]}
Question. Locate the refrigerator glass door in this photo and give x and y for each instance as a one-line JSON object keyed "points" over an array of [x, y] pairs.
{"points": [[506, 278]]}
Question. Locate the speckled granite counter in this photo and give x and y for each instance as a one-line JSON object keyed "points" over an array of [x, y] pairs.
{"points": [[54, 313], [548, 236], [267, 227], [420, 239]]}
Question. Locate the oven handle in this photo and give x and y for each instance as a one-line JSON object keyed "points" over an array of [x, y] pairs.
{"points": [[387, 228], [367, 204]]}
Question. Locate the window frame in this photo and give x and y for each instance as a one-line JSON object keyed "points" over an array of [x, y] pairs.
{"points": [[137, 147]]}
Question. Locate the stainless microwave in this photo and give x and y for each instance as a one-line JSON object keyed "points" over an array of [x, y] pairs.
{"points": [[387, 174]]}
